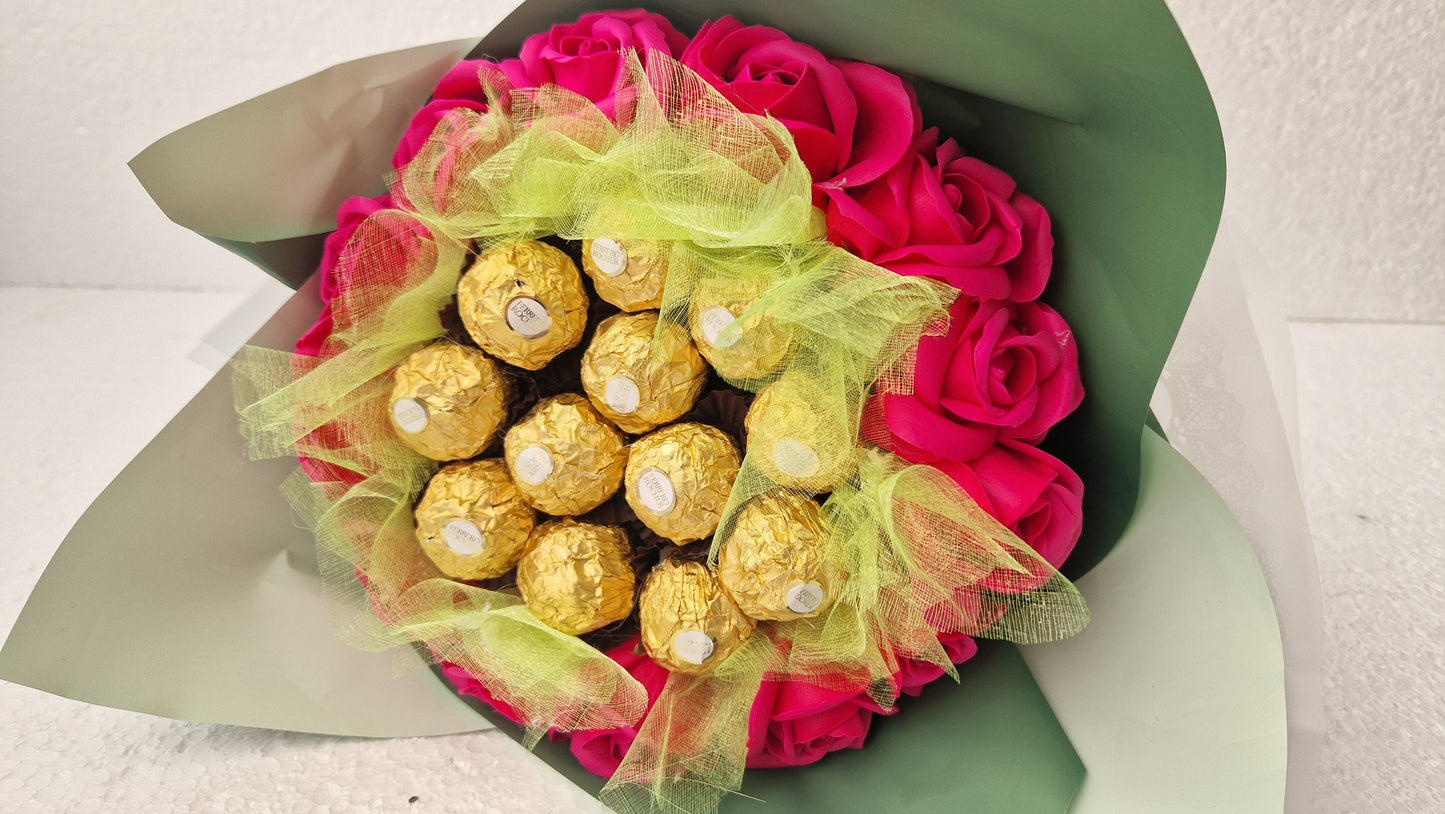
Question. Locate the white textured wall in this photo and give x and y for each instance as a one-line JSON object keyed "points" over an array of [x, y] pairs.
{"points": [[1333, 112], [1334, 121]]}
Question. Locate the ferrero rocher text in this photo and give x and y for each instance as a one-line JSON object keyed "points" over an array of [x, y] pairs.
{"points": [[689, 624], [564, 457], [679, 477], [523, 304], [472, 522], [773, 564], [448, 401], [577, 577], [637, 382]]}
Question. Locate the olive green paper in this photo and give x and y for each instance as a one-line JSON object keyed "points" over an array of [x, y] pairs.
{"points": [[1095, 107]]}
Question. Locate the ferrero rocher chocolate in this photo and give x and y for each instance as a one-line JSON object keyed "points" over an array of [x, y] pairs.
{"points": [[632, 387], [741, 342], [793, 442], [523, 304], [472, 522], [772, 564], [577, 577], [448, 401], [689, 624], [679, 477], [627, 273], [564, 457]]}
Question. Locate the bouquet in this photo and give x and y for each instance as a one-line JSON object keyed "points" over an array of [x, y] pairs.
{"points": [[864, 236], [825, 568]]}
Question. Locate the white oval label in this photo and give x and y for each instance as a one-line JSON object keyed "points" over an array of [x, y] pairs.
{"points": [[656, 491], [528, 318], [622, 395], [609, 256], [693, 646], [409, 414], [715, 320], [795, 458], [463, 537], [804, 597], [534, 464]]}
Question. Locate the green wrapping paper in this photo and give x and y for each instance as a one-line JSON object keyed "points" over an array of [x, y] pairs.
{"points": [[1097, 109]]}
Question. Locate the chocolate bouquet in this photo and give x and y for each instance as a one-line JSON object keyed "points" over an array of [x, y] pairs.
{"points": [[743, 369]]}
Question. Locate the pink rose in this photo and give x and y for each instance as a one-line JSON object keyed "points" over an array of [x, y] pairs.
{"points": [[913, 676], [1003, 370], [464, 86], [943, 215], [600, 751], [793, 723], [467, 684], [422, 125], [336, 276], [585, 57], [1034, 494], [850, 121]]}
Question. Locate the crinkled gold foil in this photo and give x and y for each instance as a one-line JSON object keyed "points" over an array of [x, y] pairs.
{"points": [[773, 563], [689, 624], [564, 457], [631, 386], [627, 273], [577, 577], [472, 522], [679, 478], [739, 341], [794, 444], [523, 304], [448, 401]]}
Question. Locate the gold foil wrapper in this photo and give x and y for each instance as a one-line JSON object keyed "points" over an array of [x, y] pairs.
{"points": [[773, 563], [630, 274], [631, 386], [679, 478], [564, 457], [792, 442], [689, 624], [523, 304], [577, 577], [448, 401], [739, 341], [472, 522]]}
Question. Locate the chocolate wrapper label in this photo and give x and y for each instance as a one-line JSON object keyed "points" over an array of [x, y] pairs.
{"points": [[410, 415], [622, 395], [527, 317], [715, 320], [534, 464], [693, 646], [805, 597], [656, 491], [463, 537], [609, 256]]}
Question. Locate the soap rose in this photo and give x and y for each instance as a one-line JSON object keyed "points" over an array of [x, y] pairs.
{"points": [[1003, 370], [850, 121], [335, 276], [1034, 494], [600, 751], [793, 723], [913, 676], [942, 214], [585, 57]]}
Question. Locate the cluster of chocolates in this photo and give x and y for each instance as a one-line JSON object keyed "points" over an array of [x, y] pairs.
{"points": [[532, 510]]}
